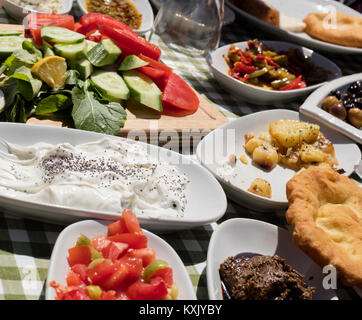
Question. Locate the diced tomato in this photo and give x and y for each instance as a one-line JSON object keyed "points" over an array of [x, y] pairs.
{"points": [[100, 272], [108, 295], [117, 227], [126, 271], [134, 266], [37, 20], [166, 275], [146, 254], [178, 98], [152, 72], [155, 290], [70, 292], [116, 279], [81, 271], [100, 242], [134, 240], [131, 221], [79, 254], [130, 43], [297, 83], [114, 250], [73, 279], [155, 64]]}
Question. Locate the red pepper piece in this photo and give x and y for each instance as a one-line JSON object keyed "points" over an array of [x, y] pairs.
{"points": [[297, 83], [242, 68]]}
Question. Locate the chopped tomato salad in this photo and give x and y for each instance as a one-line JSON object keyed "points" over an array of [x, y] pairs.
{"points": [[116, 266]]}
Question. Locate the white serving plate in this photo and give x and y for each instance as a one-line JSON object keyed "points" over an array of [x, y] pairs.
{"points": [[59, 267], [240, 235], [19, 12], [311, 108], [229, 15], [144, 8], [300, 9], [229, 139], [257, 95], [203, 207]]}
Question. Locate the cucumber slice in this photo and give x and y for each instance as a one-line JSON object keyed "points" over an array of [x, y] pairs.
{"points": [[48, 52], [104, 53], [85, 68], [7, 32], [132, 62], [8, 44], [72, 52], [90, 45], [61, 35], [112, 84], [143, 89]]}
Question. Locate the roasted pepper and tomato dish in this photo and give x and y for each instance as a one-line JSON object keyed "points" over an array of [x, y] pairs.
{"points": [[264, 67]]}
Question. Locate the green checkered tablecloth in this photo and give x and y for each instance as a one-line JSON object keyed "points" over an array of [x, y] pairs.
{"points": [[26, 245]]}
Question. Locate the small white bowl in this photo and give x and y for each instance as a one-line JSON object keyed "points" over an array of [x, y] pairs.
{"points": [[217, 146], [19, 12], [143, 6], [236, 236], [312, 108], [59, 267], [257, 95]]}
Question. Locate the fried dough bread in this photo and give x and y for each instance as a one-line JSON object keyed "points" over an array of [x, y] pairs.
{"points": [[325, 209], [341, 29]]}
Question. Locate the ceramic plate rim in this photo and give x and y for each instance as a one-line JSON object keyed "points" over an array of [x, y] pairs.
{"points": [[210, 275], [310, 107], [242, 44], [168, 222], [67, 6], [307, 41], [76, 228], [144, 8], [224, 183]]}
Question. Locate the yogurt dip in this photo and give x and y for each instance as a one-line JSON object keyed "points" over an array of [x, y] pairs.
{"points": [[106, 175]]}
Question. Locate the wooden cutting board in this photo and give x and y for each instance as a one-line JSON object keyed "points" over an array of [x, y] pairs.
{"points": [[158, 129]]}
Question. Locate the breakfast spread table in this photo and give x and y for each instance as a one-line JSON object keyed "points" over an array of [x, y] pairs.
{"points": [[26, 245]]}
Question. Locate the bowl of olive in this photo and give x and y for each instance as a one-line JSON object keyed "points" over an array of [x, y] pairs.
{"points": [[338, 104]]}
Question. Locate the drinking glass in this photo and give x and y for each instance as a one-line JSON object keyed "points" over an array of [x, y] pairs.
{"points": [[190, 26]]}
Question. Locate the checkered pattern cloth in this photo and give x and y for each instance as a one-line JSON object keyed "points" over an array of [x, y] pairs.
{"points": [[26, 245]]}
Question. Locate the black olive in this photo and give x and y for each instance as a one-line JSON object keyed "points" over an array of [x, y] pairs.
{"points": [[336, 93], [354, 87], [359, 104], [348, 106]]}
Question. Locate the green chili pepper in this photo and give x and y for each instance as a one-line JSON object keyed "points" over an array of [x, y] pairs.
{"points": [[94, 292], [83, 241], [153, 267], [258, 73]]}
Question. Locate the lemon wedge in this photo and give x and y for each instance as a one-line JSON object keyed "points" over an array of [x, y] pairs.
{"points": [[52, 70]]}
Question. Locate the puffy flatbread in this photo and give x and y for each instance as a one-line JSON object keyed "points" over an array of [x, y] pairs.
{"points": [[335, 27]]}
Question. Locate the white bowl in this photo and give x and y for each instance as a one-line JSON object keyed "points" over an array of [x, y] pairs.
{"points": [[257, 95], [214, 149], [59, 267], [311, 108], [19, 12], [236, 236], [143, 6], [206, 200]]}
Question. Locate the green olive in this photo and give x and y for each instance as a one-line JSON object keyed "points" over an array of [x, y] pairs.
{"points": [[338, 110], [355, 117], [328, 102]]}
